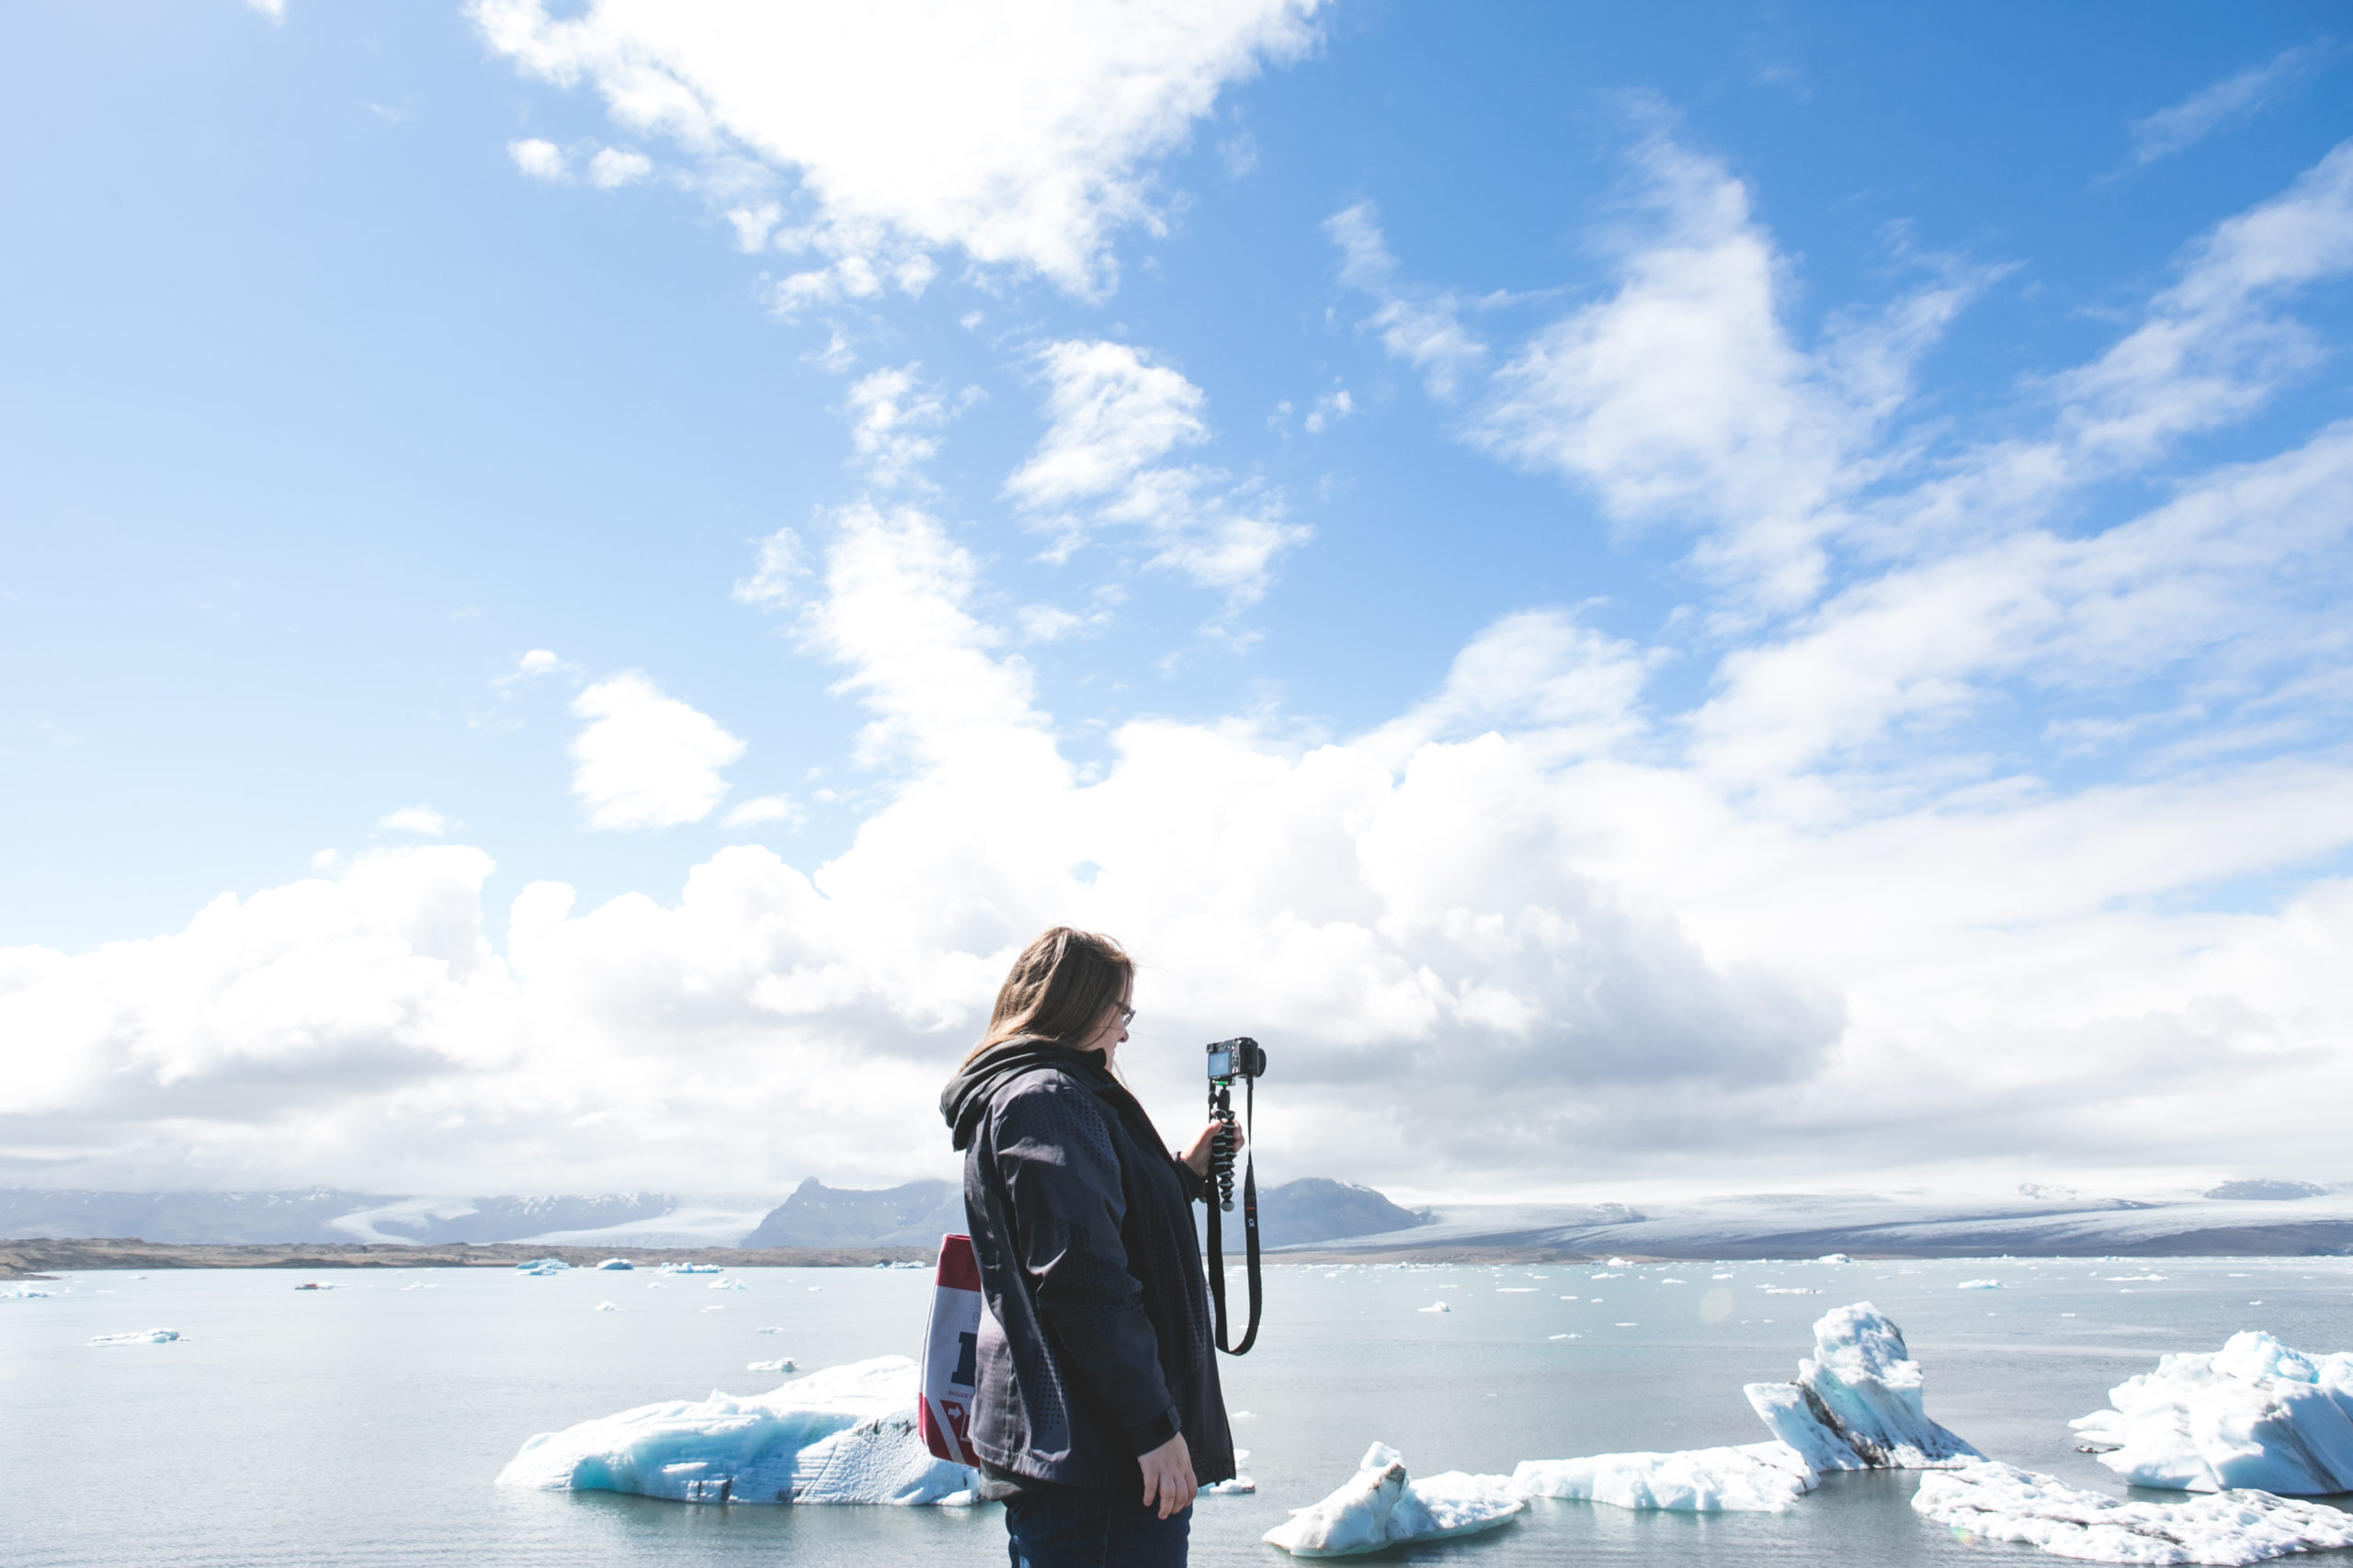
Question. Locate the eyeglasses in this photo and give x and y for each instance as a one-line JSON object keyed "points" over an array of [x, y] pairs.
{"points": [[1127, 1015]]}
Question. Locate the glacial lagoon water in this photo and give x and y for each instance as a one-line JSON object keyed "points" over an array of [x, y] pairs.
{"points": [[362, 1424]]}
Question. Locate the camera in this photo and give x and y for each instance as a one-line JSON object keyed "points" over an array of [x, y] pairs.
{"points": [[1239, 1058]]}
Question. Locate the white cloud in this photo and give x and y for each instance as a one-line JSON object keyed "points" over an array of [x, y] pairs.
{"points": [[537, 662], [775, 573], [1113, 416], [766, 808], [274, 9], [422, 820], [540, 160], [612, 168], [644, 760], [889, 409], [2238, 97], [1423, 329], [1023, 135]]}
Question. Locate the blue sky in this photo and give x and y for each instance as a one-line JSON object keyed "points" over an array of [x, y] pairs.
{"points": [[1764, 584]]}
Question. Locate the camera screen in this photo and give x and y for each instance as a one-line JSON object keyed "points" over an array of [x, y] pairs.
{"points": [[1221, 1062]]}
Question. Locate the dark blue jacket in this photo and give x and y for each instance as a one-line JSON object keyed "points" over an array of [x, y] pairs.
{"points": [[1097, 1346]]}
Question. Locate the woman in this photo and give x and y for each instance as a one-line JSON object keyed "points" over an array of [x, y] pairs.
{"points": [[1095, 1386]]}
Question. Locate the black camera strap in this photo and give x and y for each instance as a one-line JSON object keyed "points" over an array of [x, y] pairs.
{"points": [[1249, 1233]]}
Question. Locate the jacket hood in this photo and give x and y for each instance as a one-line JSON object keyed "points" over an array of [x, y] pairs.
{"points": [[966, 1098]]}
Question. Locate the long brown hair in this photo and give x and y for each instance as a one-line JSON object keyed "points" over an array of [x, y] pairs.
{"points": [[1060, 988]]}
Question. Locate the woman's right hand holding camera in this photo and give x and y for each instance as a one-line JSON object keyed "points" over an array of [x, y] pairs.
{"points": [[1169, 1476]]}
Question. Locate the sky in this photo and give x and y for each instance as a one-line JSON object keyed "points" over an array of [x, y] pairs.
{"points": [[1696, 597]]}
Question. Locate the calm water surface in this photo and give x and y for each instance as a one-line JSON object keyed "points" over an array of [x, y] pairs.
{"points": [[363, 1425]]}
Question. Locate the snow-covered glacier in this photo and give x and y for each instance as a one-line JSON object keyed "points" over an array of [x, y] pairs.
{"points": [[1382, 1506], [2253, 1414], [1986, 1500], [1855, 1403], [843, 1435]]}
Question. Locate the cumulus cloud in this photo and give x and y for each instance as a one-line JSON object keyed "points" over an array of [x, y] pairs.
{"points": [[644, 760], [1113, 416], [539, 159], [2238, 97], [1832, 904], [892, 412], [421, 820], [1023, 136], [613, 168]]}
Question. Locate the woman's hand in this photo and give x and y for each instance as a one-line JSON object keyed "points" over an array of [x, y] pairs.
{"points": [[1196, 1158], [1168, 1477]]}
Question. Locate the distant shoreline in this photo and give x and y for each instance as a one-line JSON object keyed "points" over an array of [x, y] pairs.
{"points": [[31, 1259]]}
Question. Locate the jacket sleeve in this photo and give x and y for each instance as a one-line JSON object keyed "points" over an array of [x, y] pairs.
{"points": [[1061, 1181]]}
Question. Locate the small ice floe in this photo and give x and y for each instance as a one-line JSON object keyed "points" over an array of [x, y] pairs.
{"points": [[1834, 1258], [845, 1435], [1381, 1505], [312, 1285], [145, 1336], [1564, 1336], [782, 1365], [727, 1285], [692, 1268], [1979, 1285], [1242, 1416], [607, 1307], [1670, 1279], [1617, 1262], [1435, 1307], [2000, 1501], [1233, 1488], [1788, 1291], [616, 1264], [542, 1265], [1605, 1276], [1755, 1478], [419, 1285], [1515, 1290], [2252, 1413], [771, 1331], [1855, 1403]]}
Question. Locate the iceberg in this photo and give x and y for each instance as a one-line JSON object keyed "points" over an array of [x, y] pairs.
{"points": [[616, 1264], [1999, 1502], [2253, 1414], [843, 1435], [146, 1337], [1755, 1478], [1381, 1505], [1855, 1403], [692, 1268], [542, 1265], [784, 1364]]}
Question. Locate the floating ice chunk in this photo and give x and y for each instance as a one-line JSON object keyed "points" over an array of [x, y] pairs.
{"points": [[1233, 1488], [607, 1307], [2253, 1414], [1617, 1262], [145, 1336], [1979, 1285], [542, 1265], [784, 1364], [1755, 1478], [2000, 1501], [692, 1268], [419, 1285], [1856, 1405], [616, 1264], [1382, 1506], [845, 1435], [727, 1285], [1435, 1307], [1834, 1258], [771, 1331], [1788, 1291]]}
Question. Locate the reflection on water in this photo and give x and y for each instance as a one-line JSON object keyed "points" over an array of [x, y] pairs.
{"points": [[363, 1424]]}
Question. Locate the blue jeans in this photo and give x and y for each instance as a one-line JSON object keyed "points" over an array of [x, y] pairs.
{"points": [[1074, 1527]]}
